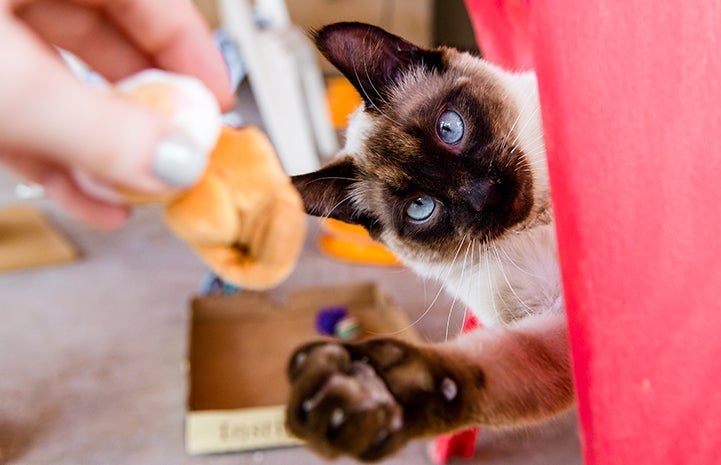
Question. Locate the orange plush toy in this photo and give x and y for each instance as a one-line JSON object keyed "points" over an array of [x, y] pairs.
{"points": [[243, 218]]}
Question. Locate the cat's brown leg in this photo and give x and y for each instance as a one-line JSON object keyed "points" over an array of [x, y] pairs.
{"points": [[367, 399]]}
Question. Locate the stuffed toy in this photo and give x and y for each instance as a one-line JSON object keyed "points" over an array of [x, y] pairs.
{"points": [[243, 218]]}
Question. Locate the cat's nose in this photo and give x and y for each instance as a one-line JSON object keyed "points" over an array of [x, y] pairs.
{"points": [[479, 192]]}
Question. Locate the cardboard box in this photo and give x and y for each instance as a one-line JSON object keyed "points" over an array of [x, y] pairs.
{"points": [[28, 239], [239, 349]]}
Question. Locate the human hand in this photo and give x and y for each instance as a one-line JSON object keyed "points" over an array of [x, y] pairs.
{"points": [[68, 136]]}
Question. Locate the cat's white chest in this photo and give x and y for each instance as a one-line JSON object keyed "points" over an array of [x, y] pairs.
{"points": [[510, 279]]}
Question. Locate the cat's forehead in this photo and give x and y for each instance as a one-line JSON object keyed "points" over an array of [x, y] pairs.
{"points": [[465, 78]]}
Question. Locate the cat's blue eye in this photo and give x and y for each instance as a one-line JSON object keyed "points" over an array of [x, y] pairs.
{"points": [[450, 127], [421, 208]]}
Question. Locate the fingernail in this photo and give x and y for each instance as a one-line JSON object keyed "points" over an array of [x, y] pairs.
{"points": [[178, 162]]}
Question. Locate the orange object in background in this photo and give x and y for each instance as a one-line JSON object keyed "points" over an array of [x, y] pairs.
{"points": [[352, 243], [343, 99], [341, 240]]}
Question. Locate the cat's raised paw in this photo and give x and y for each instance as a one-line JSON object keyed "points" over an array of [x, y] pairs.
{"points": [[354, 399], [339, 403]]}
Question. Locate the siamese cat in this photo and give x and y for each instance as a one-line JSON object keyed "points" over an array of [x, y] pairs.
{"points": [[444, 163]]}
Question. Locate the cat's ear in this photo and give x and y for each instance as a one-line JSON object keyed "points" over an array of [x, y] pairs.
{"points": [[328, 192], [371, 58]]}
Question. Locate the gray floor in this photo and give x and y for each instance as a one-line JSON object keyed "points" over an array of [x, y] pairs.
{"points": [[91, 352]]}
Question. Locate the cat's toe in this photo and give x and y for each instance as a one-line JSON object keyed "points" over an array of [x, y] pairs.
{"points": [[347, 410], [317, 360]]}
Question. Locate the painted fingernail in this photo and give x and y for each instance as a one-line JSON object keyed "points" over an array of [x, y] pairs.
{"points": [[178, 162]]}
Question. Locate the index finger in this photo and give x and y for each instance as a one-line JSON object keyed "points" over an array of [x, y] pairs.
{"points": [[175, 36]]}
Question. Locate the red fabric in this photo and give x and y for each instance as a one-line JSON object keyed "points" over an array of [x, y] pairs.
{"points": [[453, 445], [631, 98], [501, 29], [470, 322]]}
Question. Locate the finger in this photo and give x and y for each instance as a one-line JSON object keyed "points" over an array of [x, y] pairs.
{"points": [[61, 187], [174, 34], [117, 141], [87, 33], [96, 213]]}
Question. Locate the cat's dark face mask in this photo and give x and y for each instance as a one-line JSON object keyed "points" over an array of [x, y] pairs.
{"points": [[437, 163]]}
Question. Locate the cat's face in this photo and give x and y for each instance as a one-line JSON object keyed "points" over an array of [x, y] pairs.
{"points": [[445, 151]]}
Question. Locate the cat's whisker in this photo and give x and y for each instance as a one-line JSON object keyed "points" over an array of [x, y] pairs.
{"points": [[518, 267], [381, 100], [478, 266], [430, 306], [537, 152], [525, 125], [378, 96], [539, 137], [368, 46], [508, 96], [328, 178], [491, 287], [475, 266], [342, 201], [363, 90], [513, 126], [533, 165], [525, 101], [499, 293], [353, 194], [517, 164], [529, 160], [529, 311], [491, 247], [455, 296], [479, 272], [533, 150]]}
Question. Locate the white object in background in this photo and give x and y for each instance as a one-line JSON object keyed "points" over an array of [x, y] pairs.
{"points": [[27, 190], [285, 79], [315, 92]]}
